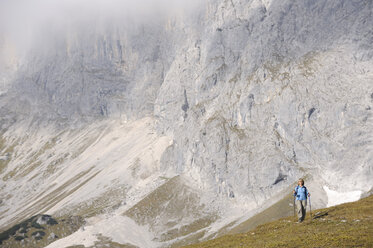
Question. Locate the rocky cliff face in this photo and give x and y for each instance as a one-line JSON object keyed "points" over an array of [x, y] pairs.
{"points": [[241, 97], [276, 89]]}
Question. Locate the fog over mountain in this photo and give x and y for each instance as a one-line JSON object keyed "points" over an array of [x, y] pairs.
{"points": [[163, 123]]}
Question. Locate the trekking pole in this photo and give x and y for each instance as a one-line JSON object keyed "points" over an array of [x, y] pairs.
{"points": [[310, 207], [294, 205]]}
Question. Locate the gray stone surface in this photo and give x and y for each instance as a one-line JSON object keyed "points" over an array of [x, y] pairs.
{"points": [[275, 91]]}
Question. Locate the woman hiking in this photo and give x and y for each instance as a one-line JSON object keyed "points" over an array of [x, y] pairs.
{"points": [[301, 194]]}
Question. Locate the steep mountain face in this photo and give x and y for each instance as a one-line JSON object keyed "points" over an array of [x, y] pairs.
{"points": [[93, 74], [273, 93], [179, 126]]}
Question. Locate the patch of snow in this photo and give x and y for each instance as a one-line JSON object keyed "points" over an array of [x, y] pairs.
{"points": [[335, 197]]}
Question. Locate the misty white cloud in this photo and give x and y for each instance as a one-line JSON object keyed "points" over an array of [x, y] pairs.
{"points": [[23, 21]]}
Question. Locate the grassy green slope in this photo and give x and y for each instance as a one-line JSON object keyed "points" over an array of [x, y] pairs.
{"points": [[346, 225]]}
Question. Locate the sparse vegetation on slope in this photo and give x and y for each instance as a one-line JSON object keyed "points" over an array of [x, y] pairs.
{"points": [[346, 225]]}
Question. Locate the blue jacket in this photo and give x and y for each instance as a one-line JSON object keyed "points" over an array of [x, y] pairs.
{"points": [[301, 193]]}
